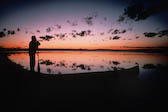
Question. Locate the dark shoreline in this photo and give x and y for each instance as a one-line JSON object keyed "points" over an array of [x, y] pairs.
{"points": [[27, 91], [138, 49]]}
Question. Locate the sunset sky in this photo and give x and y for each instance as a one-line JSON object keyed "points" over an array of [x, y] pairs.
{"points": [[86, 24]]}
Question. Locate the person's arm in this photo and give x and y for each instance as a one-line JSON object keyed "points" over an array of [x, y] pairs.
{"points": [[37, 44]]}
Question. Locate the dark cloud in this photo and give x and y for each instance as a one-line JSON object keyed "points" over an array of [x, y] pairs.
{"points": [[4, 29], [61, 36], [47, 37], [159, 34], [49, 29], [150, 34], [136, 12], [57, 35], [73, 34], [163, 33], [137, 37], [58, 26], [2, 34], [84, 33], [18, 29], [102, 33], [89, 20], [123, 31], [43, 38], [110, 30], [38, 31], [117, 31], [11, 32], [116, 37], [89, 32], [74, 23], [141, 11], [121, 19], [110, 38]]}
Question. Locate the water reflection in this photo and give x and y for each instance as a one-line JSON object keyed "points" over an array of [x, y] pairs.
{"points": [[46, 62], [68, 62]]}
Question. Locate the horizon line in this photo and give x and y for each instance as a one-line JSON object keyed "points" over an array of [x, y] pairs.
{"points": [[141, 49]]}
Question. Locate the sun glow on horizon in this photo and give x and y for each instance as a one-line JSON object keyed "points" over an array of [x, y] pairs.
{"points": [[61, 26]]}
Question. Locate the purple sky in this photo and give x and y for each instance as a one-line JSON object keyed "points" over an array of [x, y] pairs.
{"points": [[54, 18]]}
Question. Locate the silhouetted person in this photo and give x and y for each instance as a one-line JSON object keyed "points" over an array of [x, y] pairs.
{"points": [[33, 46]]}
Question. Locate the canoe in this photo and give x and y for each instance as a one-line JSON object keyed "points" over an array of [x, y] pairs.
{"points": [[133, 71]]}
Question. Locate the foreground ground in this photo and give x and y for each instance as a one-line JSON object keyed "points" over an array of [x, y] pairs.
{"points": [[26, 91]]}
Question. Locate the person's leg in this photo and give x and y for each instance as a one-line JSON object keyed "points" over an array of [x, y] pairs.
{"points": [[32, 61]]}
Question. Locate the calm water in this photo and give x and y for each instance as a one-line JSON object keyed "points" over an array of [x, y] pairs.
{"points": [[68, 62]]}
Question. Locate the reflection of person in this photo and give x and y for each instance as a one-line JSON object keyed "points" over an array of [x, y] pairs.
{"points": [[33, 46]]}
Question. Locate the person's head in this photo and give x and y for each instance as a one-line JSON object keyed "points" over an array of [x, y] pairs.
{"points": [[33, 38]]}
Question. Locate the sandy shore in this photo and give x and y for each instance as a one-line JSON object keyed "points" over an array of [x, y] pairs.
{"points": [[27, 91]]}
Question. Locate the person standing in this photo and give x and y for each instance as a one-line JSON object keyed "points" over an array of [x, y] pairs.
{"points": [[33, 46]]}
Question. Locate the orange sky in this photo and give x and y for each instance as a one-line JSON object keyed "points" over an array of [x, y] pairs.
{"points": [[103, 17], [82, 43]]}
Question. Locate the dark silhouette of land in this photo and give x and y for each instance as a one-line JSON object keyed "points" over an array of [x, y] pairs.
{"points": [[117, 91]]}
